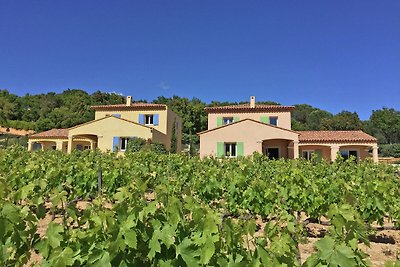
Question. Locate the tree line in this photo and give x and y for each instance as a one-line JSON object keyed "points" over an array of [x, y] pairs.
{"points": [[71, 107]]}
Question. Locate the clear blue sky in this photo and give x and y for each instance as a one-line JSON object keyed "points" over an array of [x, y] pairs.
{"points": [[336, 55]]}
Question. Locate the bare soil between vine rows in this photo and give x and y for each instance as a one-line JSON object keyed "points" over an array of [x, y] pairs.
{"points": [[384, 243]]}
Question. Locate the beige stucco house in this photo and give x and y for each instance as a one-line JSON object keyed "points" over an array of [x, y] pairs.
{"points": [[113, 127], [241, 130]]}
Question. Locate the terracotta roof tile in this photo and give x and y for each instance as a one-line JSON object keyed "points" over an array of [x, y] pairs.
{"points": [[132, 106], [246, 108], [335, 136], [53, 133]]}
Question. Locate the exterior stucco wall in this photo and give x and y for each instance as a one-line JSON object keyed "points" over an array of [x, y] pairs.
{"points": [[159, 137], [172, 118], [47, 145], [75, 144], [284, 118], [109, 128], [283, 146], [362, 148], [325, 150], [251, 133], [133, 115], [60, 144]]}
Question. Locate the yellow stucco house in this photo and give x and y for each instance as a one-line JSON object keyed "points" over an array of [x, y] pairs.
{"points": [[113, 127], [241, 130]]}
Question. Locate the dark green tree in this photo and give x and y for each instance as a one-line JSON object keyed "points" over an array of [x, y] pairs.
{"points": [[385, 123], [344, 120]]}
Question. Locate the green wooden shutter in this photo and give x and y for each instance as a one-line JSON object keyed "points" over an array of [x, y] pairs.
{"points": [[239, 149], [318, 152], [219, 121], [220, 149], [235, 119], [264, 119]]}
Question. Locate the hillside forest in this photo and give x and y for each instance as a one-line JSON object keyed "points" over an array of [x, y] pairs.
{"points": [[72, 107]]}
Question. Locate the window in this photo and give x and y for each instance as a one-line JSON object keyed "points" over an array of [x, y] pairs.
{"points": [[346, 154], [230, 150], [79, 147], [123, 143], [272, 152], [273, 121], [149, 119], [307, 154], [227, 120], [86, 147], [36, 146], [53, 147]]}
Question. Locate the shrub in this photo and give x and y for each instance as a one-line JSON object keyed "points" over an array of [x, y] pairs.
{"points": [[135, 144], [390, 150], [139, 144]]}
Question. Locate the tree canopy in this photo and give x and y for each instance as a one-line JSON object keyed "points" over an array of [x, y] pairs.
{"points": [[46, 111]]}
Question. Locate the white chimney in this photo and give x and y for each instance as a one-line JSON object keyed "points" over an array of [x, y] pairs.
{"points": [[128, 100], [252, 101]]}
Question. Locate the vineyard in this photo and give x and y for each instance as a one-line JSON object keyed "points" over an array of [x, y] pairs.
{"points": [[148, 209]]}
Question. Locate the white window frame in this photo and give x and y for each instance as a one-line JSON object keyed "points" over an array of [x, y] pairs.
{"points": [[86, 147], [230, 144], [149, 119], [227, 120], [309, 152], [123, 140], [277, 118]]}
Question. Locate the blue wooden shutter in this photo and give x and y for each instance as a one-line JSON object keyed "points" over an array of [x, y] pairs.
{"points": [[115, 146], [155, 119], [117, 115], [141, 118]]}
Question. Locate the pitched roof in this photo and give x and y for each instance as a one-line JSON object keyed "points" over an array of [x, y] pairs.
{"points": [[335, 136], [13, 131], [133, 106], [53, 133], [106, 117], [63, 133], [233, 123], [246, 108]]}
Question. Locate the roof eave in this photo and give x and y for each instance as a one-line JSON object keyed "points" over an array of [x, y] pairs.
{"points": [[111, 108], [247, 109], [48, 137], [261, 123], [324, 141]]}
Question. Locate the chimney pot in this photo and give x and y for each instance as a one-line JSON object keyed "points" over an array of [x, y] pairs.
{"points": [[128, 100], [252, 101]]}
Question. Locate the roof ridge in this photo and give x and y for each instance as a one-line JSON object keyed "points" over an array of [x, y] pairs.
{"points": [[247, 107], [56, 132]]}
